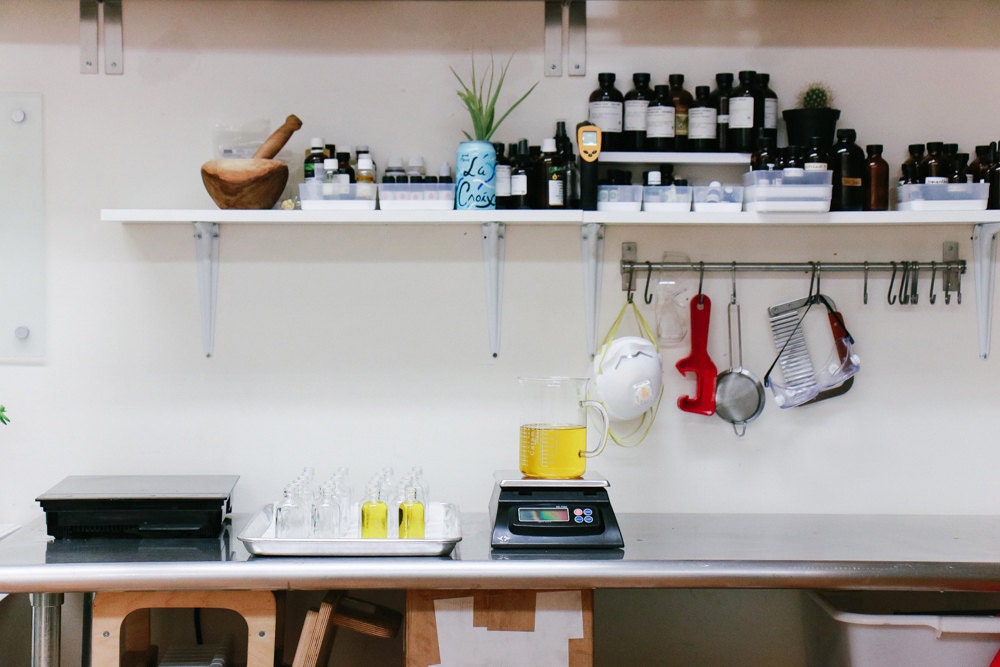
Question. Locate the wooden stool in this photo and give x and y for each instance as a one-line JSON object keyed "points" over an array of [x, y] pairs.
{"points": [[258, 609]]}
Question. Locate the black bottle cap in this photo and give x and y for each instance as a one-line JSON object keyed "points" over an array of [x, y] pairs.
{"points": [[724, 79], [389, 179], [935, 146], [951, 148], [499, 149], [982, 150], [961, 158], [606, 78], [522, 147], [702, 91], [343, 156], [662, 89], [680, 182], [666, 168], [763, 78], [874, 148], [847, 134], [534, 151], [919, 148], [676, 79], [747, 75], [560, 128], [641, 78]]}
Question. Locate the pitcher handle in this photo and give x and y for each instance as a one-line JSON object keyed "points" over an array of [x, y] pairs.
{"points": [[597, 405]]}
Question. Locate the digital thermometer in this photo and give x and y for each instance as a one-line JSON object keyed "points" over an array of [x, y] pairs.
{"points": [[588, 139]]}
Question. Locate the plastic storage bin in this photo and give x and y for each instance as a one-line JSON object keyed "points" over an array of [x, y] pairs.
{"points": [[720, 198], [793, 190], [416, 196], [316, 195], [666, 198], [619, 197], [943, 197], [876, 629]]}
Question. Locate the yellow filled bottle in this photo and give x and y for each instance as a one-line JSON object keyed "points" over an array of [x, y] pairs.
{"points": [[374, 515], [411, 515]]}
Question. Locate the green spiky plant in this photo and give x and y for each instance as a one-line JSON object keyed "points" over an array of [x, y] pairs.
{"points": [[3, 415], [815, 96], [480, 98]]}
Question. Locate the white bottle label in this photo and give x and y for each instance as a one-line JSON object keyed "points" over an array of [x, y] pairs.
{"points": [[556, 193], [770, 113], [723, 119], [503, 180], [702, 123], [519, 185], [936, 179], [740, 112], [635, 115], [815, 166], [660, 122], [606, 115]]}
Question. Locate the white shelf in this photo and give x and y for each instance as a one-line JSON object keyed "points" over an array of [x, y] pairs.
{"points": [[624, 157], [533, 217]]}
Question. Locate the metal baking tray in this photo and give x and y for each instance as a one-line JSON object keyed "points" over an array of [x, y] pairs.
{"points": [[258, 537]]}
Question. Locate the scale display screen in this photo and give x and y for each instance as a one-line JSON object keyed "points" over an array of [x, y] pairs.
{"points": [[542, 514]]}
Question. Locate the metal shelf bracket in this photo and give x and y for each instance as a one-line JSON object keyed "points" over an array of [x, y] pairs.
{"points": [[493, 256], [206, 241], [592, 245], [575, 37], [97, 16]]}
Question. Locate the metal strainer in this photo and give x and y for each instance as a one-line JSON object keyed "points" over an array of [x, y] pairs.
{"points": [[739, 395]]}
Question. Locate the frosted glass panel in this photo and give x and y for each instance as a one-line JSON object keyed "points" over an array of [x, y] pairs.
{"points": [[22, 229]]}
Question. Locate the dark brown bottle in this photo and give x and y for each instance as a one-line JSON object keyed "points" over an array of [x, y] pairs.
{"points": [[551, 175], [720, 100], [606, 111], [702, 122], [975, 170], [915, 157], [344, 166], [992, 176], [959, 166], [536, 198], [682, 102], [847, 161], [770, 99], [876, 180], [660, 120], [502, 179], [519, 177], [816, 157], [746, 114], [636, 102], [933, 168], [765, 157], [910, 174]]}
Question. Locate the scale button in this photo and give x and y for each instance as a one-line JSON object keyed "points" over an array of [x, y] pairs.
{"points": [[588, 511], [588, 519], [580, 519], [578, 512]]}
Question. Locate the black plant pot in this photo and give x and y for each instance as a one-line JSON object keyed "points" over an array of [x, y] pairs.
{"points": [[804, 124]]}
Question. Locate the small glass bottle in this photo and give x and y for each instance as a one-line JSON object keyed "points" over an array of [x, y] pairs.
{"points": [[394, 170], [564, 147], [444, 173], [315, 157], [933, 168], [702, 122], [329, 151], [915, 156], [411, 515], [365, 177], [847, 161], [876, 180], [746, 113], [910, 173], [519, 178], [326, 515], [770, 98], [344, 160], [720, 100], [959, 167], [975, 169], [765, 157], [682, 103], [290, 519], [660, 120], [606, 111], [374, 514], [330, 185], [502, 178], [362, 149], [991, 175], [635, 105], [551, 176], [816, 158]]}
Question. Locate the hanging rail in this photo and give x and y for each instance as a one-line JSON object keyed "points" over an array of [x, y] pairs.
{"points": [[629, 266]]}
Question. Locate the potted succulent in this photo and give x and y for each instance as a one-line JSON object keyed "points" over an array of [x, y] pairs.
{"points": [[813, 118], [475, 160]]}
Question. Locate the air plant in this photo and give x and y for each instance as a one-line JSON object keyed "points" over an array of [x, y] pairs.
{"points": [[480, 98]]}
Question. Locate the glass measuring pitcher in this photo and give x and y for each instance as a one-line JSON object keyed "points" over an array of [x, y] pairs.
{"points": [[553, 438]]}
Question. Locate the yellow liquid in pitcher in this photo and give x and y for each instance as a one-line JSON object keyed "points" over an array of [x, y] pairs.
{"points": [[553, 451]]}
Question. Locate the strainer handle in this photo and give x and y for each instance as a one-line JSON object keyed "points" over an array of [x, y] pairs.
{"points": [[605, 426]]}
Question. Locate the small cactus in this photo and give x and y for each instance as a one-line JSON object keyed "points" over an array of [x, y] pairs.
{"points": [[815, 96]]}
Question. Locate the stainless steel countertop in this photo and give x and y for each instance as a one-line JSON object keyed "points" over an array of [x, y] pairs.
{"points": [[861, 552]]}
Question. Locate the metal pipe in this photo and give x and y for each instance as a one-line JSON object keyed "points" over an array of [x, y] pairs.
{"points": [[46, 617], [803, 267]]}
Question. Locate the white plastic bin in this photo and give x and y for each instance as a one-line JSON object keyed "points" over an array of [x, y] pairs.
{"points": [[719, 198], [792, 190], [666, 198], [877, 629], [619, 197], [943, 196], [316, 195], [416, 196]]}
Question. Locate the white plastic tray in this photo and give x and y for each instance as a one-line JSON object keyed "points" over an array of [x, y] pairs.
{"points": [[258, 537]]}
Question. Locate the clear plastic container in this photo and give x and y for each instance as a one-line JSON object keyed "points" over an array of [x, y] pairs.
{"points": [[619, 197], [795, 190], [943, 197], [717, 197], [416, 196], [317, 195], [666, 198]]}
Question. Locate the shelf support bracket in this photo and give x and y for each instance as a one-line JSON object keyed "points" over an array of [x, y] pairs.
{"points": [[592, 246], [575, 40], [984, 252], [97, 16], [206, 240], [493, 255]]}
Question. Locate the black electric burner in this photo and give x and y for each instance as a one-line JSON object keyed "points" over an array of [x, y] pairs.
{"points": [[138, 505]]}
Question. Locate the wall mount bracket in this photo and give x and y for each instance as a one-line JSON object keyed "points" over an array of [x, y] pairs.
{"points": [[97, 17], [574, 35]]}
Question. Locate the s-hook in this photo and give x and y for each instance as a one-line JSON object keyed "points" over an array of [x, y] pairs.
{"points": [[914, 276], [701, 282], [891, 297], [932, 297], [732, 299], [904, 285], [646, 296], [866, 284], [631, 282]]}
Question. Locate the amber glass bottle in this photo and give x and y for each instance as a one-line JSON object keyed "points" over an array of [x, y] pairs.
{"points": [[847, 161], [816, 157], [876, 180], [636, 102], [660, 120], [606, 111], [702, 122], [933, 169], [914, 157], [720, 100], [746, 113], [682, 102], [770, 98], [975, 170]]}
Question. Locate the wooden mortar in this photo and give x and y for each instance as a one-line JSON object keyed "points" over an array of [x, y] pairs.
{"points": [[251, 183]]}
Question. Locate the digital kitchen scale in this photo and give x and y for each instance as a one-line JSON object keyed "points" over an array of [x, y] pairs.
{"points": [[534, 513]]}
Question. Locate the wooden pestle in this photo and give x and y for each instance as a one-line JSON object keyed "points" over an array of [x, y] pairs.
{"points": [[278, 138]]}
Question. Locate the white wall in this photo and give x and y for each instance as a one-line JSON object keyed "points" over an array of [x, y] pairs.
{"points": [[367, 346]]}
